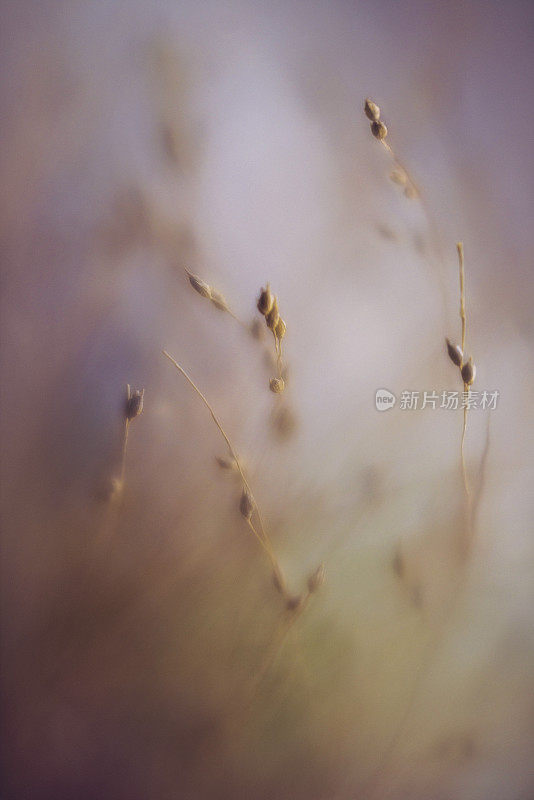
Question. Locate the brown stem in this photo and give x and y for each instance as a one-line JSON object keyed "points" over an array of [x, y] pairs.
{"points": [[262, 535]]}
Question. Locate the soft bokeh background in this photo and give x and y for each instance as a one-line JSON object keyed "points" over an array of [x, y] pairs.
{"points": [[140, 138]]}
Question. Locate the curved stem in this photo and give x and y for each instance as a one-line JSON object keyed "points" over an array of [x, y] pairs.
{"points": [[463, 317], [263, 539]]}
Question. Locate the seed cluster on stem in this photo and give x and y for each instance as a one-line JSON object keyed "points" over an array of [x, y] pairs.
{"points": [[400, 174], [133, 407], [210, 293], [467, 371], [268, 306], [249, 509]]}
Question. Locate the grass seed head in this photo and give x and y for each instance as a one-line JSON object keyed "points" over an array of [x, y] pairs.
{"points": [[199, 285], [379, 130], [280, 330], [277, 385], [246, 505], [372, 111], [134, 403], [265, 301], [455, 353], [273, 317], [469, 371]]}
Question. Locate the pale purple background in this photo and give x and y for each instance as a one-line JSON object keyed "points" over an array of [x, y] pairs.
{"points": [[123, 670]]}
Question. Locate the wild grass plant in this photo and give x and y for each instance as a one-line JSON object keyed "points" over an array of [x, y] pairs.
{"points": [[277, 592], [296, 602], [380, 776]]}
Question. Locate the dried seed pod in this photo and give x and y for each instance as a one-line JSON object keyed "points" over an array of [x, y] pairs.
{"points": [[280, 329], [293, 603], [134, 403], [218, 300], [199, 285], [265, 301], [272, 317], [246, 504], [398, 176], [455, 353], [378, 129], [277, 385], [372, 111], [469, 372], [316, 579]]}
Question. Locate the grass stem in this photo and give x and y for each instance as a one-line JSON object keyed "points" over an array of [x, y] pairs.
{"points": [[261, 535]]}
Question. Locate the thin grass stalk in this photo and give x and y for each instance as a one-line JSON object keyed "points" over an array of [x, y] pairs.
{"points": [[461, 267], [261, 535]]}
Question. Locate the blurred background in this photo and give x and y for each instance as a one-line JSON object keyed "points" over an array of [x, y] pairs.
{"points": [[145, 652]]}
